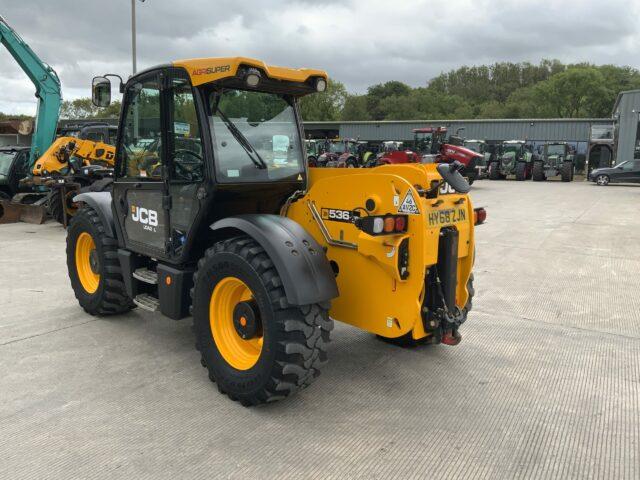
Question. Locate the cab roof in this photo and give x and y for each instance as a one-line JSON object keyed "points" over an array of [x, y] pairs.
{"points": [[205, 70]]}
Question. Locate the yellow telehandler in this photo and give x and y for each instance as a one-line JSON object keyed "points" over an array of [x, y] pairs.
{"points": [[222, 219]]}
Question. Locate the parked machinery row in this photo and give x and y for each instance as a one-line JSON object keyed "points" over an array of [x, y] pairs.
{"points": [[430, 145]]}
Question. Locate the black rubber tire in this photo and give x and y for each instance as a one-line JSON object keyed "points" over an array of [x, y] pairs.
{"points": [[351, 163], [521, 171], [494, 171], [54, 205], [312, 161], [110, 298], [538, 172], [566, 171], [407, 341], [4, 195], [602, 180], [295, 337]]}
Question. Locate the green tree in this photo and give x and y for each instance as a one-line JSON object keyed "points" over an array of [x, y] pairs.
{"points": [[83, 108], [576, 92], [326, 106], [355, 108], [377, 93]]}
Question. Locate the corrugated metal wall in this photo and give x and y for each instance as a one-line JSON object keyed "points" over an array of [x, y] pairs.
{"points": [[627, 111], [568, 130]]}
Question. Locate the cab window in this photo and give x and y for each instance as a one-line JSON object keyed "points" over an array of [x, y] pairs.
{"points": [[185, 150], [142, 155]]}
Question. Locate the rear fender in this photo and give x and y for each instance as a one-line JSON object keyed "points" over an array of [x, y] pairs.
{"points": [[306, 274], [101, 203]]}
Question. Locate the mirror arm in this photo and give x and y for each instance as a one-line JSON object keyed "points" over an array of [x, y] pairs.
{"points": [[121, 87]]}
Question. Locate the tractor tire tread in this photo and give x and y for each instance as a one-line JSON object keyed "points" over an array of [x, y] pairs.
{"points": [[305, 331], [114, 299]]}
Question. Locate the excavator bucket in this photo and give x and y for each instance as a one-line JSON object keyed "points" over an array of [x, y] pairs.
{"points": [[13, 212]]}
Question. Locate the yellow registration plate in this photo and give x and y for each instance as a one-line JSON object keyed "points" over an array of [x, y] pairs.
{"points": [[449, 216]]}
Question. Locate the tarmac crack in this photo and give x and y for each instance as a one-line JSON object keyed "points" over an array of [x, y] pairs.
{"points": [[565, 326], [16, 340]]}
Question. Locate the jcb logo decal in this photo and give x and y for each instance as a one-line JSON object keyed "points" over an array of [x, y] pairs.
{"points": [[337, 215], [445, 188], [148, 218], [211, 70]]}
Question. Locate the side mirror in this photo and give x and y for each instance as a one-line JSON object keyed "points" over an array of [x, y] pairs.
{"points": [[101, 92]]}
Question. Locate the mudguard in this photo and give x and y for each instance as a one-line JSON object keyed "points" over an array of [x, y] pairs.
{"points": [[101, 203], [301, 262]]}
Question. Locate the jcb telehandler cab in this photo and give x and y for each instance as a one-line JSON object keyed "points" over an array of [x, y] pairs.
{"points": [[224, 221]]}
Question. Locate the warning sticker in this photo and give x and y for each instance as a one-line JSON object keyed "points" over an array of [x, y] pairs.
{"points": [[409, 205]]}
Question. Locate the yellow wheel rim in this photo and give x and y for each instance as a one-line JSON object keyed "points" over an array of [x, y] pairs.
{"points": [[241, 354], [85, 253]]}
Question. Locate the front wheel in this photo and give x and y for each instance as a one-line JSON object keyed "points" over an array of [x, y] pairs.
{"points": [[94, 269], [521, 171], [494, 171], [256, 346], [602, 180], [538, 172], [566, 172]]}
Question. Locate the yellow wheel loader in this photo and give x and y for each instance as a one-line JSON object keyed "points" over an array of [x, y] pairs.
{"points": [[226, 223], [71, 165]]}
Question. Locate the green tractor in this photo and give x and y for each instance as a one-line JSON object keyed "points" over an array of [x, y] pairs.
{"points": [[512, 158], [556, 160]]}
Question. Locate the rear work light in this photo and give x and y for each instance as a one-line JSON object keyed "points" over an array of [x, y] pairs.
{"points": [[382, 224], [479, 216]]}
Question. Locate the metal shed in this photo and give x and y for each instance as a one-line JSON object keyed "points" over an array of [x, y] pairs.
{"points": [[575, 130]]}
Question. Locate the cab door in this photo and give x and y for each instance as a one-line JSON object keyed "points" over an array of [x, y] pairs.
{"points": [[140, 188], [186, 165]]}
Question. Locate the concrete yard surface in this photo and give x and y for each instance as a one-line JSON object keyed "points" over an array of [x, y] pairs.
{"points": [[545, 384]]}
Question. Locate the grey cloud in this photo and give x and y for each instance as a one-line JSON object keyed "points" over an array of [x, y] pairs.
{"points": [[360, 42]]}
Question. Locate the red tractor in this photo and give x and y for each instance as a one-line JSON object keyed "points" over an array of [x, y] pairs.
{"points": [[429, 142], [340, 153], [394, 152]]}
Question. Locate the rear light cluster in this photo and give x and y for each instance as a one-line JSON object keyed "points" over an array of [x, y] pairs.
{"points": [[382, 224], [479, 216]]}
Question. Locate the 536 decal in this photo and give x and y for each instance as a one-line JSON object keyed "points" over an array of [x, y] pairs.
{"points": [[337, 215]]}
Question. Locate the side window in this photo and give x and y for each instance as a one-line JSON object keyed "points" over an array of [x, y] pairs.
{"points": [[187, 158], [22, 166], [141, 145], [628, 166]]}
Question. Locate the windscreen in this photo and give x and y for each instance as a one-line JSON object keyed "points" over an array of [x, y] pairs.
{"points": [[555, 150], [255, 136]]}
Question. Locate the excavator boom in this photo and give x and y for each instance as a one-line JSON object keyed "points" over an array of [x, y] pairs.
{"points": [[47, 84]]}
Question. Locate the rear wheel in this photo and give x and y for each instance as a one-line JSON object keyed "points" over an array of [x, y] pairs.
{"points": [[256, 346], [408, 341], [54, 205], [521, 171], [602, 180], [566, 172], [538, 172], [94, 269], [312, 161]]}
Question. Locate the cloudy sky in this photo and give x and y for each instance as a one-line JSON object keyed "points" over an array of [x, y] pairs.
{"points": [[359, 42]]}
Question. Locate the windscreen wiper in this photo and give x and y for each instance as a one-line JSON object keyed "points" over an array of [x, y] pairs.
{"points": [[242, 140]]}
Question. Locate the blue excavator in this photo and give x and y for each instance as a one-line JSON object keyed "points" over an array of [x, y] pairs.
{"points": [[53, 165], [49, 95]]}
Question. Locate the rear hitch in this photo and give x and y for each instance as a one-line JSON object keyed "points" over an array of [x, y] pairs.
{"points": [[451, 337]]}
